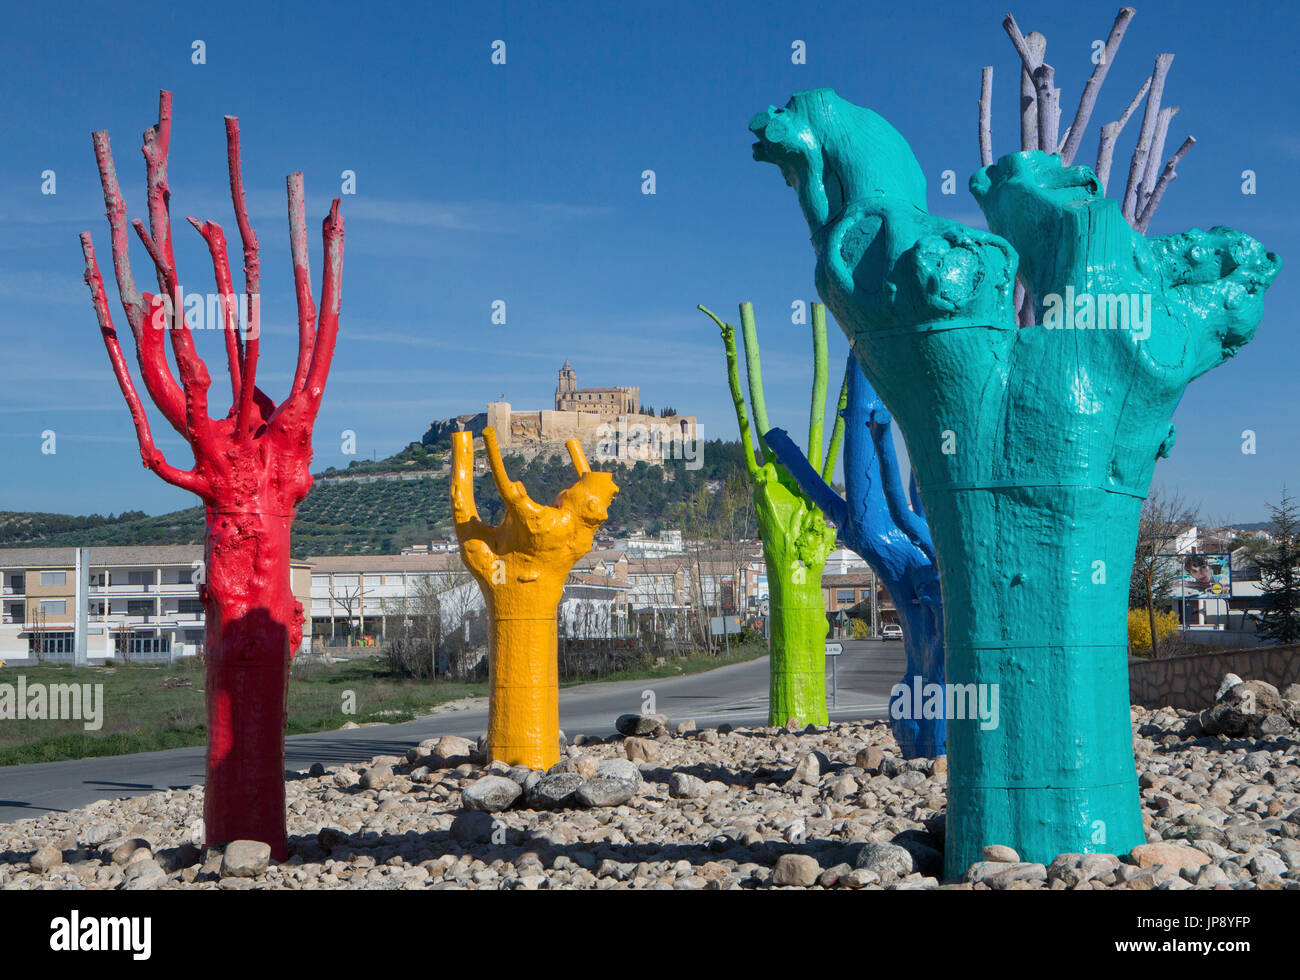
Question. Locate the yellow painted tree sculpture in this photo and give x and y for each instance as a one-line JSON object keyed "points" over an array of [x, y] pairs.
{"points": [[521, 565]]}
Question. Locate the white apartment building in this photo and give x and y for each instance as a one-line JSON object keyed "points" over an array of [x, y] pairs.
{"points": [[143, 602], [364, 595]]}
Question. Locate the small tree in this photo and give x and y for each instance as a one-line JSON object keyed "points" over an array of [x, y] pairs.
{"points": [[1279, 572], [427, 621], [1151, 582]]}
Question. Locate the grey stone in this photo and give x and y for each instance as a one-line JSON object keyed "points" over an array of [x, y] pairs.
{"points": [[45, 859], [473, 827], [684, 786], [796, 869], [245, 859], [1227, 684], [553, 791], [623, 769], [808, 770], [888, 861], [144, 875], [126, 851], [605, 791], [376, 777], [1000, 852], [654, 724], [1268, 863], [491, 794]]}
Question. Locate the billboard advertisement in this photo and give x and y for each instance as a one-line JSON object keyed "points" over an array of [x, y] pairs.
{"points": [[1197, 576]]}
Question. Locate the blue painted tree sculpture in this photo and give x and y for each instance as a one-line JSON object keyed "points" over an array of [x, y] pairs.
{"points": [[874, 520]]}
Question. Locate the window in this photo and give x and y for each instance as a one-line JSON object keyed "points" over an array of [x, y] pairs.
{"points": [[54, 607], [845, 595], [345, 581], [372, 581], [62, 642], [141, 642], [190, 607], [15, 612], [139, 607], [392, 580], [139, 578], [54, 578]]}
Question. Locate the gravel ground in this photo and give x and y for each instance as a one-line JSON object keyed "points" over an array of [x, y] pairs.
{"points": [[828, 807]]}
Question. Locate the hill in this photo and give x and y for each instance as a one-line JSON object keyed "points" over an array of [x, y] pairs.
{"points": [[380, 507]]}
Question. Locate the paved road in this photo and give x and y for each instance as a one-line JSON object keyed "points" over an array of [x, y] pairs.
{"points": [[736, 694]]}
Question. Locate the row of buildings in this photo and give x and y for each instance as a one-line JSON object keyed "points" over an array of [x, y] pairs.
{"points": [[143, 602]]}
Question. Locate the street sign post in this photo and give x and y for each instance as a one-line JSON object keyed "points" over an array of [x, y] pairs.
{"points": [[833, 650]]}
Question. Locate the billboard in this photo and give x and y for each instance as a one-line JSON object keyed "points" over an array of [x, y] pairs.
{"points": [[1197, 576]]}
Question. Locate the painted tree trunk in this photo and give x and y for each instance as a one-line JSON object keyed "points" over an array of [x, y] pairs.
{"points": [[796, 539], [521, 566], [524, 692], [874, 520], [1039, 742], [252, 624], [251, 468], [1033, 445], [797, 642]]}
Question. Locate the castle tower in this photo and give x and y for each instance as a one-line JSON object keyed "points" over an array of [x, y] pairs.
{"points": [[567, 384]]}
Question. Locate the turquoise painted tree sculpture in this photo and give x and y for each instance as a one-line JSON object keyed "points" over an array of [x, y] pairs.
{"points": [[1034, 446], [796, 539]]}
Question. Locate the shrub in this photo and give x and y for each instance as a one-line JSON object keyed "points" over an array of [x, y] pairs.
{"points": [[1139, 629]]}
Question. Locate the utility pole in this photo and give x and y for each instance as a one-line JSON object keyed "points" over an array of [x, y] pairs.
{"points": [[81, 581], [875, 616]]}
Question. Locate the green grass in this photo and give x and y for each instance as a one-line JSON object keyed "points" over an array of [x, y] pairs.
{"points": [[147, 708], [150, 708], [693, 663]]}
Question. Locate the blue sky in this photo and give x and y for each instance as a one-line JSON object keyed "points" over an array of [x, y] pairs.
{"points": [[522, 182]]}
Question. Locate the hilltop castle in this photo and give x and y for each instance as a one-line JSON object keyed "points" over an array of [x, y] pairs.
{"points": [[604, 401], [607, 421]]}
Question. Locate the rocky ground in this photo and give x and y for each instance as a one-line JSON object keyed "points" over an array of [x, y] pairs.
{"points": [[826, 807]]}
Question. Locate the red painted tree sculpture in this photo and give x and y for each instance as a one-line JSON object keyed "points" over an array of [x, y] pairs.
{"points": [[251, 468]]}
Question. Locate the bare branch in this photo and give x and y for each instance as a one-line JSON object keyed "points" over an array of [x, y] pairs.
{"points": [[1049, 107], [986, 116], [252, 279], [1031, 52], [1138, 162], [216, 239], [1088, 99], [1166, 178], [150, 345], [1110, 133], [1035, 47], [193, 372], [1155, 155], [301, 280], [327, 330], [149, 453]]}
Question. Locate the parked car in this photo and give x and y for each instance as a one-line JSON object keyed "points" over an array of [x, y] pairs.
{"points": [[891, 631]]}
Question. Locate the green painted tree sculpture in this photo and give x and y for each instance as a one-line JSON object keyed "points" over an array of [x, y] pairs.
{"points": [[1033, 445], [796, 539]]}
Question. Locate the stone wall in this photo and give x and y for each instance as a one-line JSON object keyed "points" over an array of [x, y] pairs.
{"points": [[1191, 682]]}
